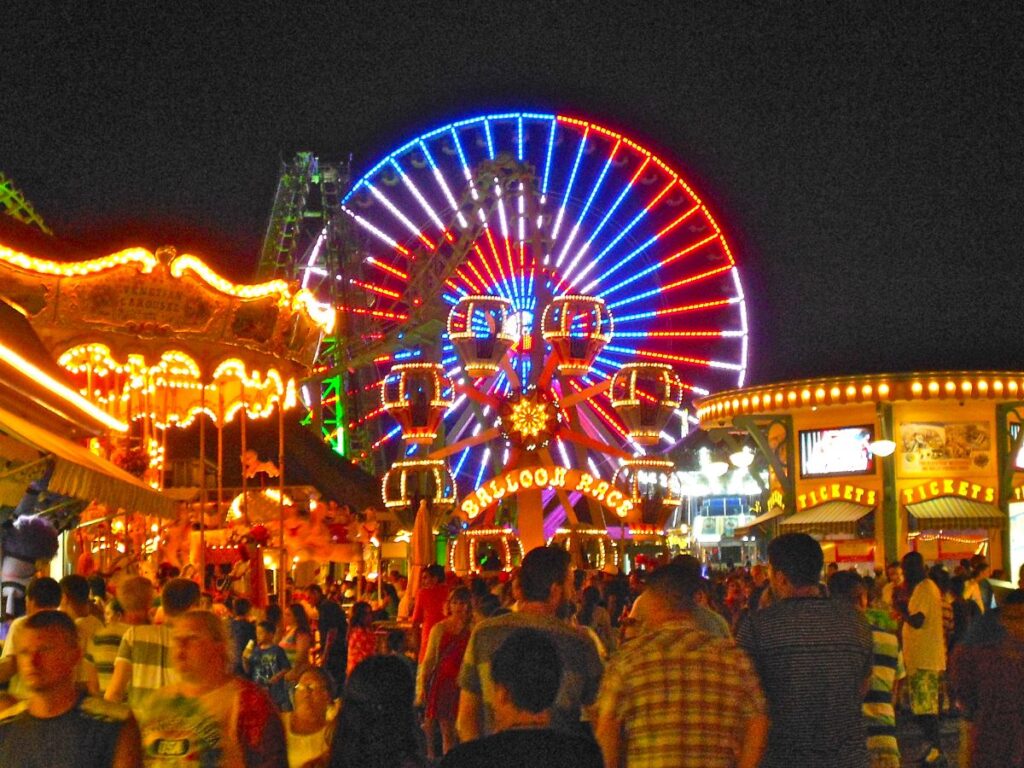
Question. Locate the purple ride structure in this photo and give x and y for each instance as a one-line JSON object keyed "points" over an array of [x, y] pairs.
{"points": [[498, 266]]}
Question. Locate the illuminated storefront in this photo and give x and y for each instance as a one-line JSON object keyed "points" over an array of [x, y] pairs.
{"points": [[876, 465]]}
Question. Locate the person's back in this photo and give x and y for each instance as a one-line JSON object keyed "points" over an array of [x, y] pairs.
{"points": [[814, 658], [102, 649], [578, 652], [144, 662], [675, 696], [243, 631], [527, 672], [526, 748], [545, 586], [812, 655], [987, 678]]}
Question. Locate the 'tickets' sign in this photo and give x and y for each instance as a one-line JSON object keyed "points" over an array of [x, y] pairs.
{"points": [[948, 486], [540, 478], [835, 492]]}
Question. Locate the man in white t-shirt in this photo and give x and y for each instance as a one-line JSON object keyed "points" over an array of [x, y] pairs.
{"points": [[924, 650]]}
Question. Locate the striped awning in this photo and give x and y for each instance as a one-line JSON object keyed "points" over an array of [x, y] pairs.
{"points": [[829, 517], [955, 513], [771, 514], [80, 473]]}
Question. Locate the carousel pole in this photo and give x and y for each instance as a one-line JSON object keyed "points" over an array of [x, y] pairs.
{"points": [[220, 451], [163, 444], [245, 489], [202, 485], [281, 579]]}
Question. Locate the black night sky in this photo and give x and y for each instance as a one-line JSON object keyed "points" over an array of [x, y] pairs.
{"points": [[865, 159]]}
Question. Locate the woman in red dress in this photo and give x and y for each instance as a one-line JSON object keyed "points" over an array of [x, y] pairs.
{"points": [[362, 642], [437, 685]]}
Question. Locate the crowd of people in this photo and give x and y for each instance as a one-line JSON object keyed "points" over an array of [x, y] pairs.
{"points": [[771, 665]]}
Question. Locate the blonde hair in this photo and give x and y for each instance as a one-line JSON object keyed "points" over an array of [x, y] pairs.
{"points": [[216, 628], [135, 594]]}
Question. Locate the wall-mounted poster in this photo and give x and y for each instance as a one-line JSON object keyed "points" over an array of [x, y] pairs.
{"points": [[944, 448]]}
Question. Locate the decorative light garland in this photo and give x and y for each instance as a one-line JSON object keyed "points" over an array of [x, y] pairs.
{"points": [[878, 388]]}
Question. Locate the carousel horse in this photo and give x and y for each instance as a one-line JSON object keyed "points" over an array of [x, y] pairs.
{"points": [[252, 466]]}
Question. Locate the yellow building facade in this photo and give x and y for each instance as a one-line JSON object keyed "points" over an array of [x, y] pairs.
{"points": [[877, 465]]}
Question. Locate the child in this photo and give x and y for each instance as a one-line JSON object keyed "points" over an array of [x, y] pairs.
{"points": [[266, 664]]}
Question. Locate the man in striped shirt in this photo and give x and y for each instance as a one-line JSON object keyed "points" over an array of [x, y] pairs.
{"points": [[134, 599], [814, 657], [879, 712], [144, 662]]}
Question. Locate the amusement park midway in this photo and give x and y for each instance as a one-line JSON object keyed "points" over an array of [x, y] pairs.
{"points": [[512, 384]]}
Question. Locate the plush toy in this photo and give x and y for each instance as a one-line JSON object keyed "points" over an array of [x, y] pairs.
{"points": [[29, 539]]}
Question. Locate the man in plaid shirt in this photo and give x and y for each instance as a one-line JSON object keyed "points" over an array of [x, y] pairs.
{"points": [[676, 696]]}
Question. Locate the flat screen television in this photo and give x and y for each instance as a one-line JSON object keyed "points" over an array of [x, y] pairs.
{"points": [[840, 451], [1019, 462]]}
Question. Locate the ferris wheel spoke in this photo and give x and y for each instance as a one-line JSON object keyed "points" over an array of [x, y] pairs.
{"points": [[661, 264], [700, 306], [632, 255], [470, 391], [621, 235], [586, 206], [442, 184], [596, 445], [568, 190], [585, 394], [481, 437], [513, 377], [427, 208], [585, 248], [364, 223]]}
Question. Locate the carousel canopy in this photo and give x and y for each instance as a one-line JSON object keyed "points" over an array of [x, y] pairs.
{"points": [[162, 335], [77, 472]]}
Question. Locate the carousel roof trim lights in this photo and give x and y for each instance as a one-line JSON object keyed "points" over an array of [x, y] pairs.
{"points": [[872, 388], [146, 261], [12, 358], [163, 336]]}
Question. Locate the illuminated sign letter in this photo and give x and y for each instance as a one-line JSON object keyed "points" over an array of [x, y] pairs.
{"points": [[484, 498], [586, 480], [471, 508], [526, 478], [540, 476], [558, 481], [614, 499], [496, 490]]}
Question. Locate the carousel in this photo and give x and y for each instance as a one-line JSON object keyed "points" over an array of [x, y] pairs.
{"points": [[158, 341]]}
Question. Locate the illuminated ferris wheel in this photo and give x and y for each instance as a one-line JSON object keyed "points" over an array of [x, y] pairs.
{"points": [[528, 208]]}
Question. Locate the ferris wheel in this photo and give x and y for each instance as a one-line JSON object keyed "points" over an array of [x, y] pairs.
{"points": [[530, 208]]}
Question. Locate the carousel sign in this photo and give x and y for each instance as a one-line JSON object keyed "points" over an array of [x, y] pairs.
{"points": [[541, 478]]}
